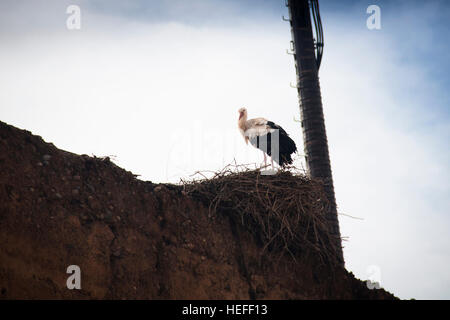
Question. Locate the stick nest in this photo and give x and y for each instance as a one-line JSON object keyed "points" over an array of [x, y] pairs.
{"points": [[286, 212]]}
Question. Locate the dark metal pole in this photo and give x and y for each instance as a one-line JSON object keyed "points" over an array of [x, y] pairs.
{"points": [[311, 112]]}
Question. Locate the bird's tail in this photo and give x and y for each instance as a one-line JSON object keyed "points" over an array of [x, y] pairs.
{"points": [[287, 147], [285, 160]]}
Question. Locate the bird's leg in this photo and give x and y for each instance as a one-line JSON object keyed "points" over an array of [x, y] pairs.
{"points": [[272, 163], [265, 160]]}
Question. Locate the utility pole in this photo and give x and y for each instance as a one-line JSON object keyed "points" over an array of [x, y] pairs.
{"points": [[311, 111]]}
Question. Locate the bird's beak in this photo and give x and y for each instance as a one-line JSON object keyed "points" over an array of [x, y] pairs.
{"points": [[241, 114]]}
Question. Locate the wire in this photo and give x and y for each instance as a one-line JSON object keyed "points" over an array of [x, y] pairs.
{"points": [[319, 42], [319, 32]]}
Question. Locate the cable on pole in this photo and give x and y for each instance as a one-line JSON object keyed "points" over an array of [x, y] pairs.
{"points": [[318, 30]]}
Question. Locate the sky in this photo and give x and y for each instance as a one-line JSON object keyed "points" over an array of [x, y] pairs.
{"points": [[156, 86]]}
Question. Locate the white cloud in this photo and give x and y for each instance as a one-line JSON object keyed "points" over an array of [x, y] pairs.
{"points": [[127, 93], [389, 168]]}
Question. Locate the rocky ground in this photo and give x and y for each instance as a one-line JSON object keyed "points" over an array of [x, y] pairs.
{"points": [[133, 239]]}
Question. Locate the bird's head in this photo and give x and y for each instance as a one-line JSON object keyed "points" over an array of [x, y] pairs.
{"points": [[242, 112]]}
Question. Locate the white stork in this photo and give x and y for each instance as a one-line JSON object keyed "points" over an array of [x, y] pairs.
{"points": [[259, 131]]}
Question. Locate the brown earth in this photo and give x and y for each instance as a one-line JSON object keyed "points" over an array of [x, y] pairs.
{"points": [[133, 239]]}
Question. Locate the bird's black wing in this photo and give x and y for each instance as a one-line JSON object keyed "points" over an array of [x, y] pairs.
{"points": [[286, 144]]}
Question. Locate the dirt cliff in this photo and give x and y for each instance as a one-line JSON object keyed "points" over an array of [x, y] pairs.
{"points": [[134, 239]]}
